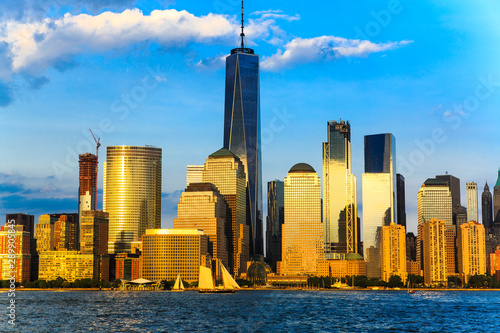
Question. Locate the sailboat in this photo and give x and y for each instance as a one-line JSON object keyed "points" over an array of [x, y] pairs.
{"points": [[206, 282], [179, 286], [409, 290]]}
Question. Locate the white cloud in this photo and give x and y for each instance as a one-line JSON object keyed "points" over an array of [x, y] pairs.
{"points": [[325, 48], [212, 63]]}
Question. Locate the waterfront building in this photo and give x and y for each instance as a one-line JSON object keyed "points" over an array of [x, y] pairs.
{"points": [[87, 184], [352, 265], [21, 255], [471, 191], [401, 200], [379, 196], [44, 233], [496, 204], [94, 239], [242, 130], [69, 265], [170, 252], [128, 266], [225, 170], [450, 233], [66, 233], [28, 223], [132, 194], [302, 233], [339, 192], [487, 208], [495, 262], [471, 250], [411, 246], [434, 252], [275, 220], [202, 207], [393, 251], [413, 267], [194, 174]]}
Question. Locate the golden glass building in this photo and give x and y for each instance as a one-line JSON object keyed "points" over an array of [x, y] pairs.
{"points": [[303, 232], [70, 265], [44, 233], [393, 251], [339, 192], [227, 173], [434, 252], [66, 233], [194, 174], [169, 252], [202, 207], [471, 250], [132, 194]]}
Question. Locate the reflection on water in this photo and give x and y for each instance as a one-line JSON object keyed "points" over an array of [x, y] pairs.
{"points": [[351, 311]]}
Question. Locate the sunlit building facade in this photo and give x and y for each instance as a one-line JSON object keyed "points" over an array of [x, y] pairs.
{"points": [[202, 207], [434, 252], [495, 262], [471, 191], [94, 226], [87, 183], [275, 220], [128, 266], [132, 194], [379, 196], [339, 192], [194, 174], [471, 250], [44, 233], [393, 252], [66, 233], [21, 256], [302, 233], [227, 173], [69, 265], [170, 252]]}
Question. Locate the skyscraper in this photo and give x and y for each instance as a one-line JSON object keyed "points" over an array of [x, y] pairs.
{"points": [[496, 202], [339, 192], [194, 174], [487, 207], [471, 190], [242, 129], [225, 170], [303, 240], [393, 252], [453, 184], [132, 194], [434, 252], [379, 196], [275, 220], [401, 200], [94, 226], [471, 250]]}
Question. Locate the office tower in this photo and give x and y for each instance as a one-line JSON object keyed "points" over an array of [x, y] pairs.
{"points": [[169, 252], [242, 132], [471, 190], [379, 196], [339, 192], [453, 184], [401, 200], [460, 216], [87, 184], [28, 223], [434, 252], [44, 233], [496, 203], [132, 194], [450, 234], [275, 220], [94, 240], [471, 250], [128, 266], [393, 251], [69, 265], [302, 233], [225, 170], [21, 258], [65, 233], [487, 208], [194, 174], [202, 207], [411, 246]]}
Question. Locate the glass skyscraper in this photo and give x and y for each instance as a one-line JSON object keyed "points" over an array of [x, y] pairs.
{"points": [[275, 220], [379, 196], [242, 131], [401, 200], [339, 192]]}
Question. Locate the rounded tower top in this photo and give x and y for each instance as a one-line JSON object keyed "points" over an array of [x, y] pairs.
{"points": [[302, 167]]}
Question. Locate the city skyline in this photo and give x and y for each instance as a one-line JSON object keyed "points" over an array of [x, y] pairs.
{"points": [[299, 94]]}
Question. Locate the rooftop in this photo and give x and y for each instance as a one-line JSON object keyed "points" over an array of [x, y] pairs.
{"points": [[223, 152], [302, 167]]}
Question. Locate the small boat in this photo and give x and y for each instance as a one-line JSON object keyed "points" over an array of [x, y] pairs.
{"points": [[178, 286], [409, 289], [206, 283]]}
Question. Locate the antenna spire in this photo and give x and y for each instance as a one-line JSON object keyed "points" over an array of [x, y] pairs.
{"points": [[242, 26]]}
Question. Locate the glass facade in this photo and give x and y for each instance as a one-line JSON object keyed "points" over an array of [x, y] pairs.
{"points": [[132, 194], [339, 192], [401, 200], [242, 132], [275, 220], [379, 196], [303, 239], [487, 207]]}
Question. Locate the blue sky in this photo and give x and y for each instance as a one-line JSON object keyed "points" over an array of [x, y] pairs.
{"points": [[152, 72]]}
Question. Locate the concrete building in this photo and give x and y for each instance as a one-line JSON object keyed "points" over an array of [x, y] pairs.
{"points": [[472, 211], [194, 174], [393, 251], [434, 252], [471, 250], [28, 223], [69, 265], [94, 240], [66, 233], [14, 238], [128, 266], [44, 233]]}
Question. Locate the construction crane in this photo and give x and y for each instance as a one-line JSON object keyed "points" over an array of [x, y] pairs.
{"points": [[98, 144]]}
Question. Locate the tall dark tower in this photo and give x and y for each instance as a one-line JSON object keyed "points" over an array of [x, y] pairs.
{"points": [[242, 129], [401, 201], [487, 207], [496, 203]]}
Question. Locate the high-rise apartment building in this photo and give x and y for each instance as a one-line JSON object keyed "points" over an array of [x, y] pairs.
{"points": [[202, 207], [471, 250], [401, 200], [487, 208], [194, 174], [132, 194], [66, 233], [379, 196], [275, 220], [44, 233], [393, 251], [87, 184], [411, 246], [242, 131], [472, 213], [434, 252], [339, 192], [94, 240], [225, 170], [21, 258], [28, 223], [167, 253], [302, 233]]}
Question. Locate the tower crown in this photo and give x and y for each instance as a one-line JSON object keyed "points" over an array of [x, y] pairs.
{"points": [[242, 48]]}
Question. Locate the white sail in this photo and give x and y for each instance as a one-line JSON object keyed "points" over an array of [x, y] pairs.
{"points": [[228, 280], [205, 280], [178, 283], [182, 284]]}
